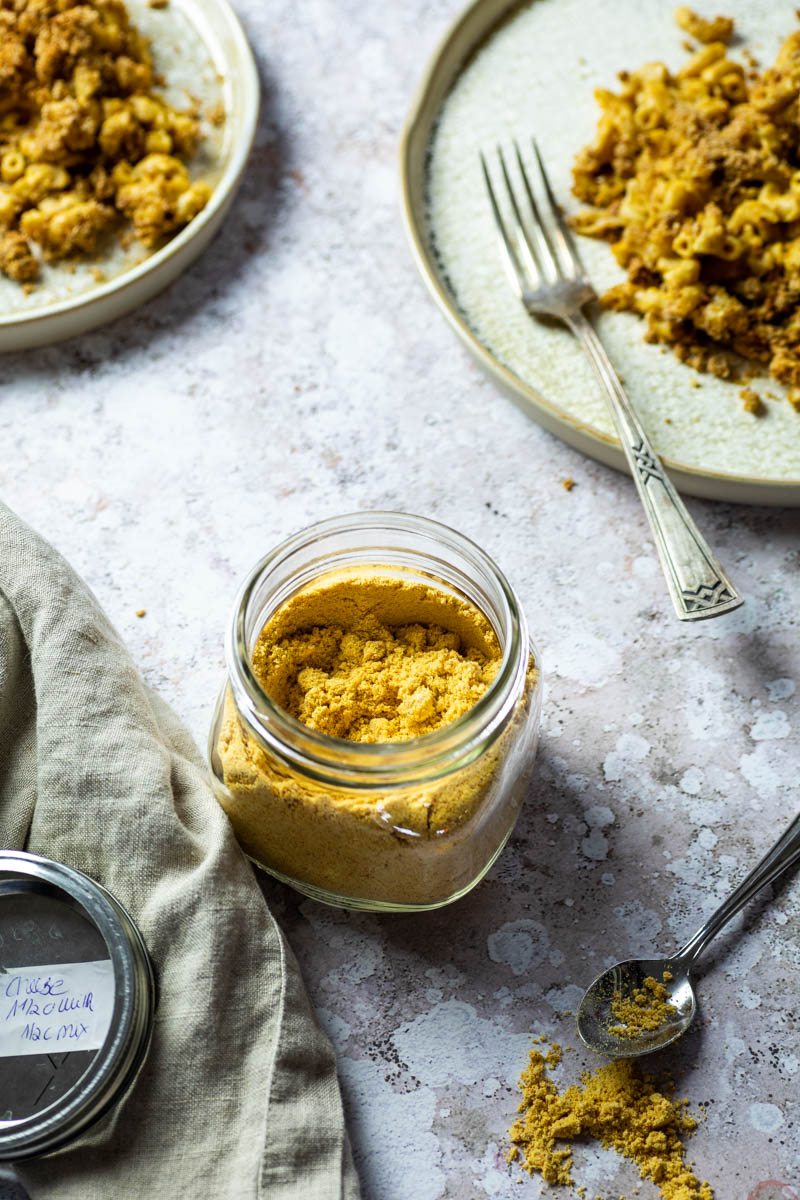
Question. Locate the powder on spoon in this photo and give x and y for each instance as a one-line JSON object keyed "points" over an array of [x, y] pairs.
{"points": [[644, 1009]]}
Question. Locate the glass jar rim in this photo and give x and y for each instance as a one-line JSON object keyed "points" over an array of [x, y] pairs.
{"points": [[314, 751]]}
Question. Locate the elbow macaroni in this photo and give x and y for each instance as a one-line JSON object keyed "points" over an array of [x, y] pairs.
{"points": [[692, 179], [84, 142]]}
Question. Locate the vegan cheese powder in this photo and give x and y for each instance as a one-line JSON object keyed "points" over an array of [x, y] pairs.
{"points": [[383, 656], [617, 1106], [367, 659], [646, 1008]]}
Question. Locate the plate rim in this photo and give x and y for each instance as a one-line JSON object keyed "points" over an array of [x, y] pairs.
{"points": [[247, 72], [453, 51]]}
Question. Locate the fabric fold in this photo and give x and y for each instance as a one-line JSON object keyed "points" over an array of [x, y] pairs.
{"points": [[238, 1097]]}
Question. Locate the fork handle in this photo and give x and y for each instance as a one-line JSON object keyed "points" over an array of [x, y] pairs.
{"points": [[697, 584]]}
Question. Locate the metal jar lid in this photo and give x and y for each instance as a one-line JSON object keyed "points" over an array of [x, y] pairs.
{"points": [[72, 966]]}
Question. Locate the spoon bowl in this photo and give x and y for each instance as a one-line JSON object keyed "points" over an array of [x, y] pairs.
{"points": [[596, 1022]]}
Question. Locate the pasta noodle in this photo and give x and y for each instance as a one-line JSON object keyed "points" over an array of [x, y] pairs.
{"points": [[692, 178], [83, 139]]}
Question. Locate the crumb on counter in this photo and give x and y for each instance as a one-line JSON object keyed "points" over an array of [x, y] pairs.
{"points": [[568, 484], [141, 612]]}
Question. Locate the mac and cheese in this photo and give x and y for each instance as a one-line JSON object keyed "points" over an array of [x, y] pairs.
{"points": [[694, 179], [84, 141]]}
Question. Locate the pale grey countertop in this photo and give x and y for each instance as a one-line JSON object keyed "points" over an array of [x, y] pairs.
{"points": [[299, 370]]}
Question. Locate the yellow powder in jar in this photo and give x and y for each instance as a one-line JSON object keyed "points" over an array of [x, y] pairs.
{"points": [[646, 1008], [351, 672], [353, 652], [617, 1106]]}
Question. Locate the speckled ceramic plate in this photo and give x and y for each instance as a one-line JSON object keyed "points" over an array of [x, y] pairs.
{"points": [[200, 49], [504, 71]]}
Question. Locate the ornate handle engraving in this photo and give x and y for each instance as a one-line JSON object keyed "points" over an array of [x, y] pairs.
{"points": [[698, 586], [647, 465]]}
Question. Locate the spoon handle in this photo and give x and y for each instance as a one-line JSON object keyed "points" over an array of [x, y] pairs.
{"points": [[785, 852]]}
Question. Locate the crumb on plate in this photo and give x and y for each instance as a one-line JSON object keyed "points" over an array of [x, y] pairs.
{"points": [[752, 402], [215, 113]]}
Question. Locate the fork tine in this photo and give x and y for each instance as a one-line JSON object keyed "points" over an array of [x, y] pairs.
{"points": [[564, 236], [546, 246], [538, 270], [513, 264]]}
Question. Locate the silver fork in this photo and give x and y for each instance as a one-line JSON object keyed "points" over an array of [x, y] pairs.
{"points": [[545, 269]]}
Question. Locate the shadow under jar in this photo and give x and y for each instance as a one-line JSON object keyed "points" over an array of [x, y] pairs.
{"points": [[386, 826]]}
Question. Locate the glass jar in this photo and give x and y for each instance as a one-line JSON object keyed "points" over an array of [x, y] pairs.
{"points": [[392, 826]]}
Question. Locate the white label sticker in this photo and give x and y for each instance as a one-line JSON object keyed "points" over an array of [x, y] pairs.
{"points": [[55, 1008]]}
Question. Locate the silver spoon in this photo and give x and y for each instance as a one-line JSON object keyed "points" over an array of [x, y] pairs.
{"points": [[594, 1016]]}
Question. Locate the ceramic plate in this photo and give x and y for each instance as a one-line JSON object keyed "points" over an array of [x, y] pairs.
{"points": [[200, 49], [504, 71]]}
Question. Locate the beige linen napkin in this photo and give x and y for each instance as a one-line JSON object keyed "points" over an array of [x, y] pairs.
{"points": [[238, 1097]]}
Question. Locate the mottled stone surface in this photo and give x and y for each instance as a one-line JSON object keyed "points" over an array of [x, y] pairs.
{"points": [[299, 370]]}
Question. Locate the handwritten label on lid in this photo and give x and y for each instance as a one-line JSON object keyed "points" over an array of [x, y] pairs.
{"points": [[55, 1008]]}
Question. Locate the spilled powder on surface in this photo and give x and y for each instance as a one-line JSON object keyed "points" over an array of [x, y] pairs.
{"points": [[616, 1105]]}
